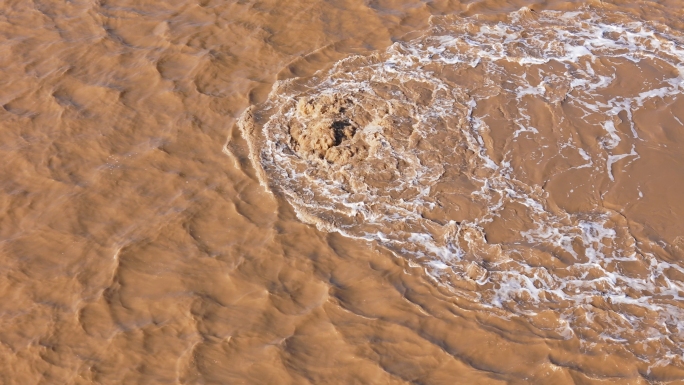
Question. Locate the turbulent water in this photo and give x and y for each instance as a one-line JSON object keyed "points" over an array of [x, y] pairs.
{"points": [[434, 149], [410, 193]]}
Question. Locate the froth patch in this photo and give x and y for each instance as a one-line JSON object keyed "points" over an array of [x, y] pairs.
{"points": [[325, 128]]}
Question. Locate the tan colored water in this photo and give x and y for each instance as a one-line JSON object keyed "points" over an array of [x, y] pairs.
{"points": [[137, 249]]}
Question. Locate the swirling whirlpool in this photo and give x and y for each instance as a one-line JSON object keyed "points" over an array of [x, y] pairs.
{"points": [[440, 149]]}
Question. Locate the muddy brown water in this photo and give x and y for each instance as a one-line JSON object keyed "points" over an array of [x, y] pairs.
{"points": [[142, 242]]}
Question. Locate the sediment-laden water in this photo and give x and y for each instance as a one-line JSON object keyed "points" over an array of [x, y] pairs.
{"points": [[341, 192]]}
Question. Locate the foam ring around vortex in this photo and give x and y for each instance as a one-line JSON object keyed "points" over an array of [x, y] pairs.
{"points": [[399, 147]]}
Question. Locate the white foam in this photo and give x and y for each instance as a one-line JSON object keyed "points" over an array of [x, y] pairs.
{"points": [[614, 158]]}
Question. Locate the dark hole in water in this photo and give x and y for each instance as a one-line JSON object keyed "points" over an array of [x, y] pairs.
{"points": [[339, 131]]}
